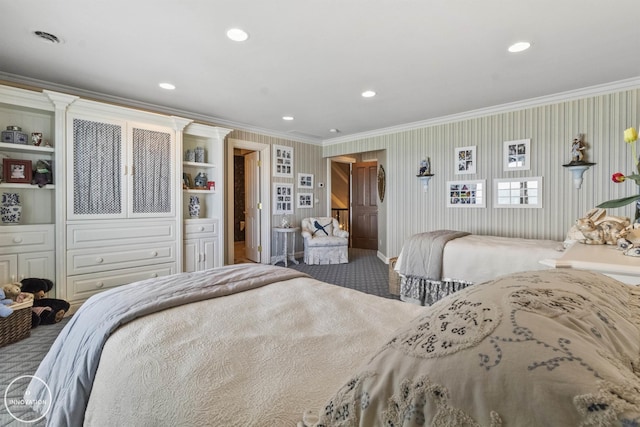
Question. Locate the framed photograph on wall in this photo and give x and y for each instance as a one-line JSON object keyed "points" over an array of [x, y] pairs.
{"points": [[305, 200], [282, 199], [517, 155], [305, 180], [465, 160], [467, 194], [282, 161]]}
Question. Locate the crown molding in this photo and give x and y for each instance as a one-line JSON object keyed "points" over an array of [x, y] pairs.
{"points": [[617, 86], [40, 85]]}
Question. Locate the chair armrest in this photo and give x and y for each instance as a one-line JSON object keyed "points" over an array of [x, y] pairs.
{"points": [[305, 234], [341, 233]]}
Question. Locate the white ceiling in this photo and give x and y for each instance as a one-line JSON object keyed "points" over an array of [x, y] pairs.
{"points": [[311, 59]]}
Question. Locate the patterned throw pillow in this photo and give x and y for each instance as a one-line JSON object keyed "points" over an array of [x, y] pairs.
{"points": [[320, 228], [556, 347]]}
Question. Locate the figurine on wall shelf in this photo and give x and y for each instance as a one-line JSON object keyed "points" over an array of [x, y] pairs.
{"points": [[425, 167]]}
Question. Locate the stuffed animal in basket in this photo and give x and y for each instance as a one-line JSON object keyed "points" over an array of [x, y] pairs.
{"points": [[45, 311], [12, 291], [5, 302]]}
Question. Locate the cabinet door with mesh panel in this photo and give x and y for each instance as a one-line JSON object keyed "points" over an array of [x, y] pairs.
{"points": [[152, 177]]}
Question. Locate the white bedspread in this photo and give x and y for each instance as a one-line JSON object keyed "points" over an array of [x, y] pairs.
{"points": [[476, 258]]}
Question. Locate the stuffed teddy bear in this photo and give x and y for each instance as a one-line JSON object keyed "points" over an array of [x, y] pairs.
{"points": [[45, 311], [12, 291], [5, 302]]}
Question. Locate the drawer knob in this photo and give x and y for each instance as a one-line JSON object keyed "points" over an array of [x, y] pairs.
{"points": [[99, 285], [99, 260], [201, 228], [17, 239], [154, 275], [154, 253]]}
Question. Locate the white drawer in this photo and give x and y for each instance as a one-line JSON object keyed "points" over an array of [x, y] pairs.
{"points": [[26, 238], [196, 227], [116, 258], [118, 233], [83, 286]]}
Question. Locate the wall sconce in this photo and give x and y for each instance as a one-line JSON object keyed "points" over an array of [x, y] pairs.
{"points": [[578, 164], [424, 173]]}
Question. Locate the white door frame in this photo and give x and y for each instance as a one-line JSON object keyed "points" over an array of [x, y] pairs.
{"points": [[265, 195]]}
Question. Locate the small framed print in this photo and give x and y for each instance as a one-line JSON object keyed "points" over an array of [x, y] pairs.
{"points": [[282, 161], [465, 160], [466, 194], [517, 155], [282, 199], [17, 171], [305, 180], [305, 200]]}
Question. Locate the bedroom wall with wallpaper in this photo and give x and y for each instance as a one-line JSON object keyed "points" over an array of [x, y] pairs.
{"points": [[551, 128], [307, 159]]}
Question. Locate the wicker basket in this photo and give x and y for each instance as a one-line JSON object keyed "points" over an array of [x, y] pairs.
{"points": [[17, 325], [394, 277]]}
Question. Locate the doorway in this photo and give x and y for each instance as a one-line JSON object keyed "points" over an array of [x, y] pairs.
{"points": [[364, 205], [248, 223]]}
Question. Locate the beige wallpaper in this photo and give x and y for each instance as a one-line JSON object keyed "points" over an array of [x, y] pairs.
{"points": [[407, 209]]}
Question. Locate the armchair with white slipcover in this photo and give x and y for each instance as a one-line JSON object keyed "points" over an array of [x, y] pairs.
{"points": [[324, 241]]}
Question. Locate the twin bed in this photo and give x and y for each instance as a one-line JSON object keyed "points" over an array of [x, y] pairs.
{"points": [[263, 345]]}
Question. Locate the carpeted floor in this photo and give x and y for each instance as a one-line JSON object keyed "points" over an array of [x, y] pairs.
{"points": [[364, 272]]}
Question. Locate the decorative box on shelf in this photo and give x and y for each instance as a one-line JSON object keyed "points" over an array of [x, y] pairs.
{"points": [[14, 135]]}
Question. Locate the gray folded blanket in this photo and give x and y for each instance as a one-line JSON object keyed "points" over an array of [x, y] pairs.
{"points": [[422, 253]]}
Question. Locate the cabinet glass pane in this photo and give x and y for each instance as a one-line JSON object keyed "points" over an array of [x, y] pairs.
{"points": [[96, 165], [152, 188]]}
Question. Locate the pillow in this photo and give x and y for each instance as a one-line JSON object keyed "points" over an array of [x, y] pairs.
{"points": [[554, 347], [322, 226]]}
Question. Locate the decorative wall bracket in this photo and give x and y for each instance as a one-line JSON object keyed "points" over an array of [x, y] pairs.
{"points": [[425, 181], [577, 170]]}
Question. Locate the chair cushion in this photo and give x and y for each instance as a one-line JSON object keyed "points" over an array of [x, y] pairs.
{"points": [[321, 226], [326, 241]]}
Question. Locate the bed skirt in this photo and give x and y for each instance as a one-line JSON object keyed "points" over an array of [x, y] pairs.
{"points": [[422, 291]]}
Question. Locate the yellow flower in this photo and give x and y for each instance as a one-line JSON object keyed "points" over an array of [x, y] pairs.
{"points": [[630, 135]]}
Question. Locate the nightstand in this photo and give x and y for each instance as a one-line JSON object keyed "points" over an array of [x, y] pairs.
{"points": [[605, 259]]}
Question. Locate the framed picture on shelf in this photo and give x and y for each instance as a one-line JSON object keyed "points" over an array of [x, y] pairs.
{"points": [[305, 200], [465, 160], [17, 171], [517, 155], [305, 180], [466, 194], [187, 180], [282, 199], [282, 161]]}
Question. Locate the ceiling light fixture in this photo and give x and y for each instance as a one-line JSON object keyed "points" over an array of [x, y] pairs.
{"points": [[287, 118], [519, 47], [47, 37], [368, 94], [167, 86], [237, 35], [334, 130]]}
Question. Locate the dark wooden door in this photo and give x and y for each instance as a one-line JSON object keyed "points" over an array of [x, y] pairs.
{"points": [[364, 203]]}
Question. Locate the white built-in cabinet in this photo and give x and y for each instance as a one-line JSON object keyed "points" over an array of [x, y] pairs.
{"points": [[27, 249], [203, 236], [117, 211]]}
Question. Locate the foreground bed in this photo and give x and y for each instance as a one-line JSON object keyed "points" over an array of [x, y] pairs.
{"points": [[559, 347]]}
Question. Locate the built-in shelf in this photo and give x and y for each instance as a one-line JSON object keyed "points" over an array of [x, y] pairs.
{"points": [[199, 164], [24, 148], [195, 190], [26, 186]]}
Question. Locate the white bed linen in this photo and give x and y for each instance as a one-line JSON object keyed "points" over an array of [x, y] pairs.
{"points": [[260, 357], [478, 258]]}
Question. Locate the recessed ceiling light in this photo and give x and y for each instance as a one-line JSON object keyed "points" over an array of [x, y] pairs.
{"points": [[167, 86], [47, 37], [368, 94], [334, 130], [237, 35], [519, 47], [287, 118]]}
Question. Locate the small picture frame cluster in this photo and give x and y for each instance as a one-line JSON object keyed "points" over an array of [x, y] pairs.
{"points": [[282, 161], [465, 160], [16, 171], [305, 200], [517, 155], [305, 180], [282, 199], [466, 194]]}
